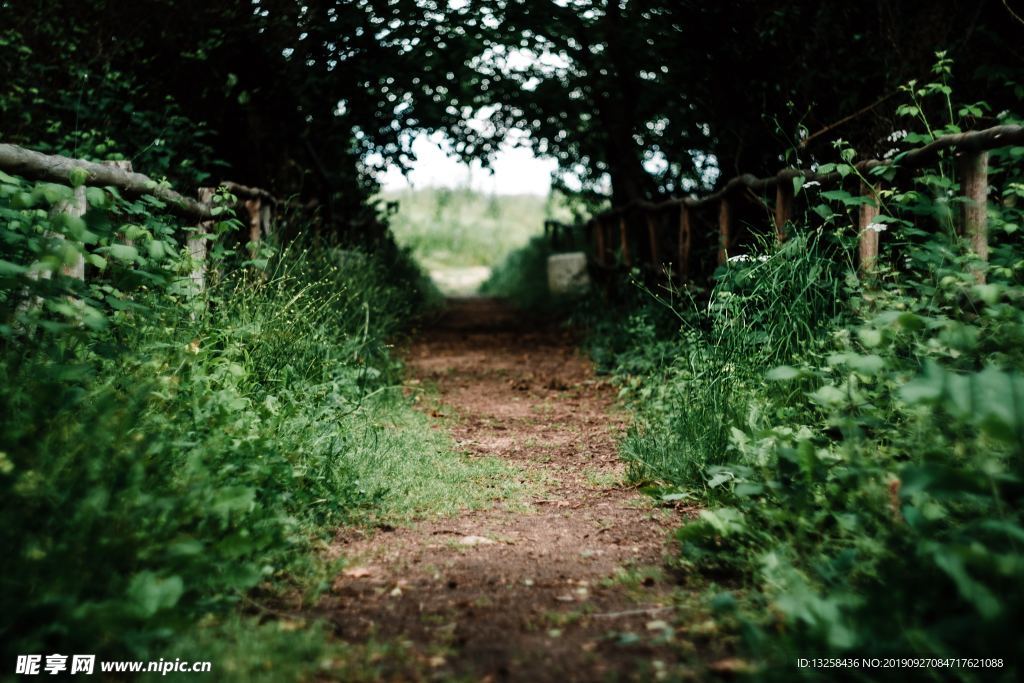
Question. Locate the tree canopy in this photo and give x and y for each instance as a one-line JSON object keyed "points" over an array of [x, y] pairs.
{"points": [[645, 97]]}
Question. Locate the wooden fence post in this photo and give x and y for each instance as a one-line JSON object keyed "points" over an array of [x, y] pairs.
{"points": [[75, 207], [652, 237], [627, 255], [267, 219], [685, 241], [252, 207], [868, 232], [724, 230], [783, 207], [974, 170], [197, 243]]}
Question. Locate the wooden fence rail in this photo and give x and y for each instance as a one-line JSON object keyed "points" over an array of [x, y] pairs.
{"points": [[613, 226], [259, 205]]}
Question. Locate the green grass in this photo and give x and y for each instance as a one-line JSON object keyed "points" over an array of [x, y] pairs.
{"points": [[182, 451], [414, 472], [246, 648]]}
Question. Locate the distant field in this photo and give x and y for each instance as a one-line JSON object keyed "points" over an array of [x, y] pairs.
{"points": [[455, 228]]}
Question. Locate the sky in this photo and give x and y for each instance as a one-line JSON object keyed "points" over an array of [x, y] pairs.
{"points": [[514, 170]]}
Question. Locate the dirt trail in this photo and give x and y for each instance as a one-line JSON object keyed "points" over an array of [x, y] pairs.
{"points": [[519, 593]]}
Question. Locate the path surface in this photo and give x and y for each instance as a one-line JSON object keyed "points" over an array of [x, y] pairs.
{"points": [[551, 589]]}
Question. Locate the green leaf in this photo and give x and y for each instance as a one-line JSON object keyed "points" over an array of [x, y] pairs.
{"points": [[828, 396], [925, 388], [870, 364], [951, 561], [869, 337], [824, 210], [78, 176], [725, 521], [149, 593], [8, 269], [236, 499], [96, 260], [97, 197], [122, 252], [783, 373], [719, 479]]}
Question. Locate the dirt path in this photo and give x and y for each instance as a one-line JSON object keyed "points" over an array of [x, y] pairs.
{"points": [[566, 587]]}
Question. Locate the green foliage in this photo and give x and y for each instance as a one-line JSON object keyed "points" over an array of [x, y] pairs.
{"points": [[164, 451], [855, 441]]}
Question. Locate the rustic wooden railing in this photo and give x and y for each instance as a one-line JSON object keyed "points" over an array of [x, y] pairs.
{"points": [[257, 206], [612, 226]]}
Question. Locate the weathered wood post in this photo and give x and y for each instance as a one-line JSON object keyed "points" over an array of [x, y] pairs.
{"points": [[652, 238], [974, 173], [75, 207], [197, 242], [783, 206], [868, 229], [627, 255], [125, 166], [253, 208], [724, 230], [685, 240], [267, 219]]}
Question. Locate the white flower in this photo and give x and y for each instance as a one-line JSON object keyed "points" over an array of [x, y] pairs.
{"points": [[877, 227], [739, 258], [812, 183]]}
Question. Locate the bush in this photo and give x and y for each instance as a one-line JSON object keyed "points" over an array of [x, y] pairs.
{"points": [[162, 452]]}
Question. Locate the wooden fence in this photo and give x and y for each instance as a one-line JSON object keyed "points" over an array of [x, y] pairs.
{"points": [[257, 207], [652, 245]]}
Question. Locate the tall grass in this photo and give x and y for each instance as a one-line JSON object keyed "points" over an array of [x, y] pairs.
{"points": [[164, 454]]}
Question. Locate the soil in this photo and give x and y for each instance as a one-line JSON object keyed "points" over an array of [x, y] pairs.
{"points": [[566, 586]]}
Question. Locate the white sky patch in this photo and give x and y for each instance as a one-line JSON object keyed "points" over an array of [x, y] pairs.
{"points": [[655, 162], [514, 170]]}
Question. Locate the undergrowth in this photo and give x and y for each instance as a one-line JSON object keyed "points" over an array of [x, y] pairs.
{"points": [[169, 454], [854, 442]]}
